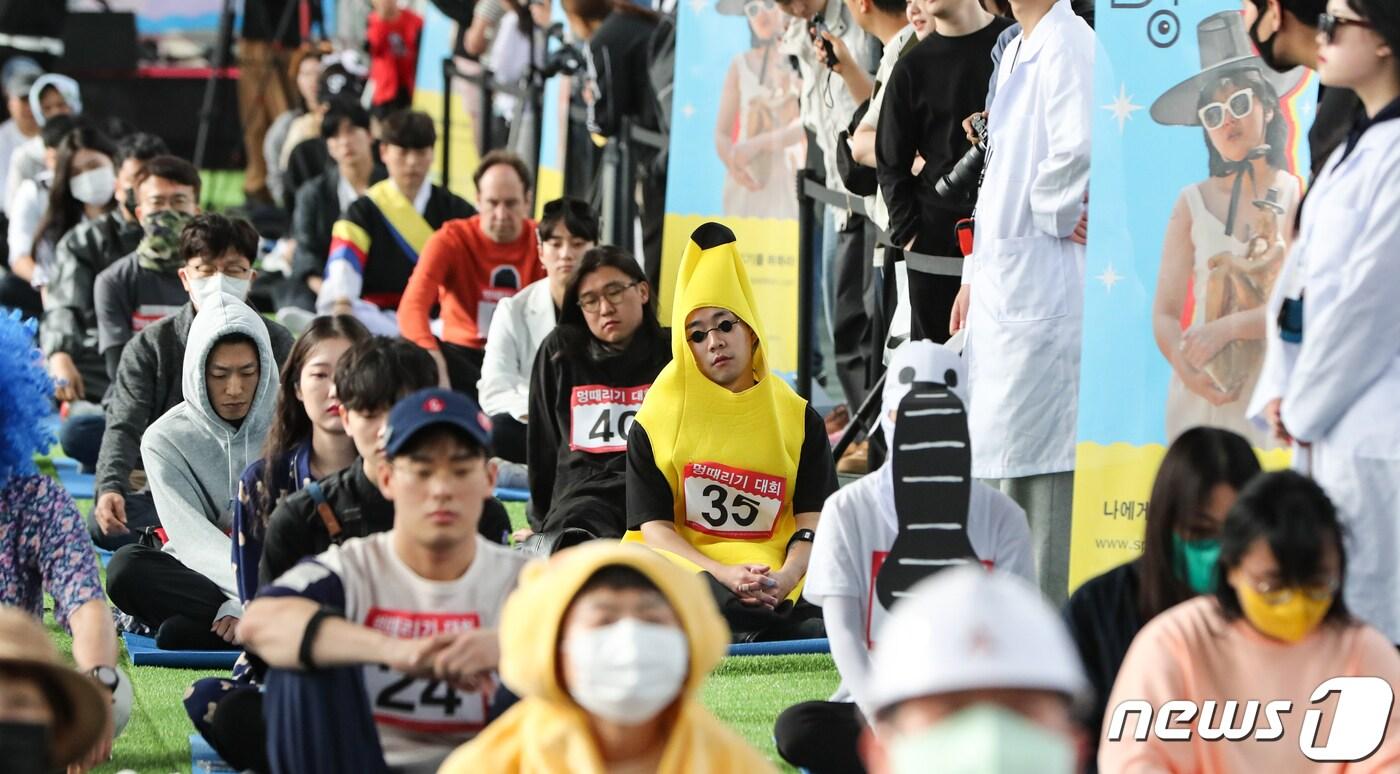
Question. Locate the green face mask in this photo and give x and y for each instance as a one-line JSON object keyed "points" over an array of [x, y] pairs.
{"points": [[1193, 562], [984, 739], [159, 249]]}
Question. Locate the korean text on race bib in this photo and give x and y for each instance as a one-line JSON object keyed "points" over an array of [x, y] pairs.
{"points": [[417, 704], [732, 502], [600, 416]]}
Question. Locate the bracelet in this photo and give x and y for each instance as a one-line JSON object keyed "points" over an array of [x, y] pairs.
{"points": [[308, 637], [800, 536]]}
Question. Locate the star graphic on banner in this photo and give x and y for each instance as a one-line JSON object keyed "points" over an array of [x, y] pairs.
{"points": [[688, 111], [1308, 108], [1122, 108], [698, 6], [1109, 278]]}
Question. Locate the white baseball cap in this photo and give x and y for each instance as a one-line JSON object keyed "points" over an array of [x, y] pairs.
{"points": [[968, 629]]}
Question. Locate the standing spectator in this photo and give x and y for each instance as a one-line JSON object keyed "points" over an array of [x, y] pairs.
{"points": [[609, 646], [377, 242], [321, 200], [1282, 578], [1284, 32], [1025, 318], [44, 549], [1330, 385], [469, 266], [859, 527], [271, 29], [144, 287], [567, 229], [20, 74], [31, 255], [923, 121], [827, 104], [590, 378], [70, 330], [218, 258], [974, 666], [394, 36], [1197, 483], [382, 649], [306, 439], [186, 590]]}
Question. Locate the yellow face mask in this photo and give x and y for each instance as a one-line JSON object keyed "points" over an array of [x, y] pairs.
{"points": [[1288, 614]]}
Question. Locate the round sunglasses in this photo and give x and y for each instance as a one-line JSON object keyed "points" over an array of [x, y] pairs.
{"points": [[725, 326]]}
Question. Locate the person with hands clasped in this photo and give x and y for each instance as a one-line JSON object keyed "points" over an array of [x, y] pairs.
{"points": [[382, 649], [727, 468]]}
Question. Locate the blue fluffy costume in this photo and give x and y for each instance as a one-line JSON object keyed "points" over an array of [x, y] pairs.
{"points": [[25, 398]]}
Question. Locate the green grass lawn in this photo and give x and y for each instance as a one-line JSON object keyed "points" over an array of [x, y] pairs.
{"points": [[746, 692]]}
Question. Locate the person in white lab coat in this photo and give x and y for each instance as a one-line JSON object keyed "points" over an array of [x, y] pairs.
{"points": [[1023, 286], [1331, 379], [568, 228]]}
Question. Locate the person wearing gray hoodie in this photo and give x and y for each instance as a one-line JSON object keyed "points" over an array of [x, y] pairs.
{"points": [[194, 455]]}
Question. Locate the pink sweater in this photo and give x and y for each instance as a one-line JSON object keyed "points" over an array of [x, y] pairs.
{"points": [[1191, 652]]}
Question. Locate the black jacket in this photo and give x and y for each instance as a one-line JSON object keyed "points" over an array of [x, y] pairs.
{"points": [[1103, 617], [295, 530], [316, 211], [571, 488], [147, 385], [70, 315]]}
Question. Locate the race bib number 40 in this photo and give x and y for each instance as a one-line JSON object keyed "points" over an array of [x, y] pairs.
{"points": [[731, 502], [600, 416], [416, 704]]}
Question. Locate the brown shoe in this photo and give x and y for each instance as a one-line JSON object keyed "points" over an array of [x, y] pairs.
{"points": [[856, 460]]}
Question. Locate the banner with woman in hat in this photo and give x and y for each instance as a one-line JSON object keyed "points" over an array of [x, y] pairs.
{"points": [[1188, 237], [736, 145]]}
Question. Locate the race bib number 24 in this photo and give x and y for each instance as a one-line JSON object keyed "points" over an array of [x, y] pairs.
{"points": [[731, 502], [416, 704]]}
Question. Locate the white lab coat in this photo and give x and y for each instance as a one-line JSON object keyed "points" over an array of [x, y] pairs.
{"points": [[1341, 386], [518, 327], [1026, 313]]}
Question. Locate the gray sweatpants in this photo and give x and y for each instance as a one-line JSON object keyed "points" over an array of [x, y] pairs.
{"points": [[1046, 499]]}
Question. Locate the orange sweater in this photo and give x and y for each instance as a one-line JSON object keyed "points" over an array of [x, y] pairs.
{"points": [[467, 274], [1192, 653]]}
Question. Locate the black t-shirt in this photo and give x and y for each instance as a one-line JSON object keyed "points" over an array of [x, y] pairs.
{"points": [[649, 497], [1103, 617], [263, 19], [578, 475], [930, 91]]}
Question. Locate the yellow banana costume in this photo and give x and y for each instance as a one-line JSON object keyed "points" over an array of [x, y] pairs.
{"points": [[547, 732], [730, 458]]}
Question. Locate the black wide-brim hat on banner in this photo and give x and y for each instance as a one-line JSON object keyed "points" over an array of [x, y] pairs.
{"points": [[1224, 48]]}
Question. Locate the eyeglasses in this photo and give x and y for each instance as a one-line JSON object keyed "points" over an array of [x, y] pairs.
{"points": [[1317, 592], [1239, 105], [725, 326], [1327, 24], [613, 293], [755, 7]]}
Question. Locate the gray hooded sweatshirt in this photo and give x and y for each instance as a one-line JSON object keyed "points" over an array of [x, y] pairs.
{"points": [[194, 457]]}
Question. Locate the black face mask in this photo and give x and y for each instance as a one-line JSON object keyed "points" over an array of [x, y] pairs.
{"points": [[1266, 47], [24, 747]]}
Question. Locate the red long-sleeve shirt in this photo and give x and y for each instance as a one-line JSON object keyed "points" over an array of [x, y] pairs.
{"points": [[467, 273]]}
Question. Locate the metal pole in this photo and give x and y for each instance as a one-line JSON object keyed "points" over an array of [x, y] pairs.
{"points": [[449, 69], [483, 132], [627, 189], [211, 86], [806, 223]]}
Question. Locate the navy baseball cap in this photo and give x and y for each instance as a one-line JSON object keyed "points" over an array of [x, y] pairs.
{"points": [[430, 408]]}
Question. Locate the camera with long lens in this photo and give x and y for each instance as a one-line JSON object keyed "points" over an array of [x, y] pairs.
{"points": [[565, 59], [960, 184]]}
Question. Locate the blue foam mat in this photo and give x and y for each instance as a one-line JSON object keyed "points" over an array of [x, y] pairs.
{"points": [[144, 652], [781, 648], [508, 495], [80, 486], [203, 759], [103, 555]]}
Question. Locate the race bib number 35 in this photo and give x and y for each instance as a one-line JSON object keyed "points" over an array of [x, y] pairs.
{"points": [[600, 416], [414, 704], [731, 502]]}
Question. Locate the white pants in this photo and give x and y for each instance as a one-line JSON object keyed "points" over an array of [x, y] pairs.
{"points": [[1366, 491]]}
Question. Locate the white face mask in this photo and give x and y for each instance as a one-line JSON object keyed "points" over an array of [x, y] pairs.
{"points": [[204, 288], [95, 186], [628, 671]]}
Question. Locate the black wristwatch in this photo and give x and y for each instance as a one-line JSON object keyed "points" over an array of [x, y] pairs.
{"points": [[109, 677], [800, 536]]}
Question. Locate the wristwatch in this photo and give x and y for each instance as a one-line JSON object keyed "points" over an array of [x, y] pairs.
{"points": [[801, 536], [109, 677]]}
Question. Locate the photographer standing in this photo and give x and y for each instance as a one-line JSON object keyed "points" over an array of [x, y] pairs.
{"points": [[921, 118]]}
